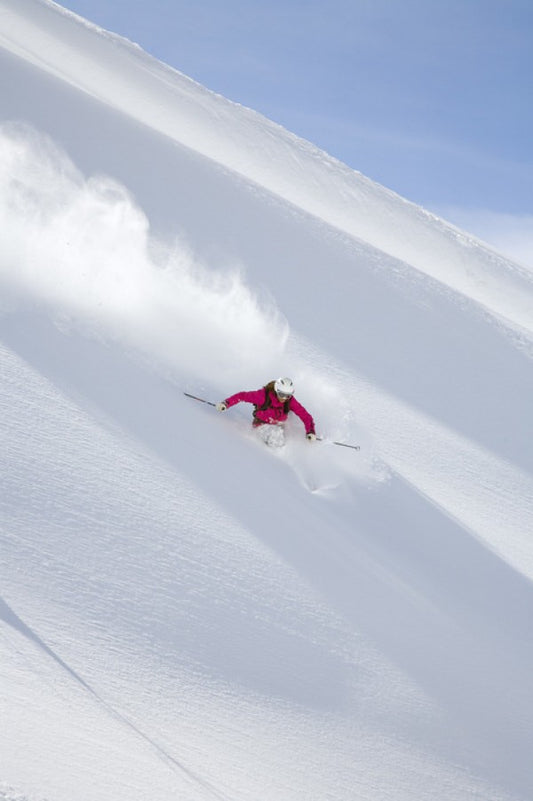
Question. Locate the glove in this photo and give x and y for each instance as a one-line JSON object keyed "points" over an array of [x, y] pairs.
{"points": [[222, 406], [311, 436]]}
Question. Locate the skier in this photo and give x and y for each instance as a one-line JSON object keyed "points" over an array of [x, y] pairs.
{"points": [[272, 403]]}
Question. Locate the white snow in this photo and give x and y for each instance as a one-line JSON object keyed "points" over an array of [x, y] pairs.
{"points": [[183, 612]]}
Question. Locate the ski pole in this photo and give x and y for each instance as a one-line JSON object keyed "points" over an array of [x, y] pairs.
{"points": [[202, 400], [342, 444]]}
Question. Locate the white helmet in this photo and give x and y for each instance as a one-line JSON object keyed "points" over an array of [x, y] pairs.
{"points": [[284, 387]]}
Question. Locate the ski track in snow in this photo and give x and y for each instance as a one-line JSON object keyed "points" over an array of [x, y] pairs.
{"points": [[183, 612]]}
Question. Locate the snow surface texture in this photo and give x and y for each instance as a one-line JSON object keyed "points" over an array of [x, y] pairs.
{"points": [[185, 613]]}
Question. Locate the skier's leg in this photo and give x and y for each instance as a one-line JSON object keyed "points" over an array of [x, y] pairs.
{"points": [[277, 436], [272, 435]]}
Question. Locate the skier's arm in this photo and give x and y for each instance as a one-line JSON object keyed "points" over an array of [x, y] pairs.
{"points": [[303, 414], [256, 396]]}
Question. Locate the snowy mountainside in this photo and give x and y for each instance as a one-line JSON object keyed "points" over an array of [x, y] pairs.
{"points": [[115, 72], [183, 613]]}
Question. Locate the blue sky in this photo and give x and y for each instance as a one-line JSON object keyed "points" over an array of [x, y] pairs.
{"points": [[434, 100]]}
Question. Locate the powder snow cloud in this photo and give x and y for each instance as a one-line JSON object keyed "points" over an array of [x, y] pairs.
{"points": [[81, 247]]}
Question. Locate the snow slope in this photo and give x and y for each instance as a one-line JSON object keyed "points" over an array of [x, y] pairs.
{"points": [[183, 613]]}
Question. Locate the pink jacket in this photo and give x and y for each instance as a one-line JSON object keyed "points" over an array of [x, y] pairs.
{"points": [[276, 411]]}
